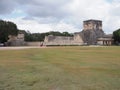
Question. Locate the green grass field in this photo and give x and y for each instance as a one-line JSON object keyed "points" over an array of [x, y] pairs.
{"points": [[60, 68]]}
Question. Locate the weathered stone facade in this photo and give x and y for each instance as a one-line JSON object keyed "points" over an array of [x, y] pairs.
{"points": [[63, 40], [92, 31], [105, 40], [16, 40]]}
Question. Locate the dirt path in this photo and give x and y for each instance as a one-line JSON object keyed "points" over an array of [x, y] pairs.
{"points": [[17, 48]]}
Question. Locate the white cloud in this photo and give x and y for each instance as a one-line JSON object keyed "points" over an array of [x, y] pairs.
{"points": [[34, 26], [103, 10], [63, 27], [31, 25], [64, 15]]}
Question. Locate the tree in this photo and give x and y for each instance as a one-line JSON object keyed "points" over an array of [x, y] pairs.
{"points": [[116, 36], [40, 36], [6, 29], [66, 34]]}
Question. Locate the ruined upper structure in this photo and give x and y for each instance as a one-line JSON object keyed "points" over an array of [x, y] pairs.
{"points": [[92, 31], [92, 25]]}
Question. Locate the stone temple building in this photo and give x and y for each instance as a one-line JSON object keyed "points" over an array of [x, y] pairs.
{"points": [[92, 34], [92, 31]]}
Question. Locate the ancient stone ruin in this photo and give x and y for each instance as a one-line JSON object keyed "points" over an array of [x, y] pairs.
{"points": [[16, 40], [90, 35], [58, 40], [92, 31]]}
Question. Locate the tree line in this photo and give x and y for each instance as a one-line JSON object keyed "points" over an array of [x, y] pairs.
{"points": [[9, 28], [116, 37]]}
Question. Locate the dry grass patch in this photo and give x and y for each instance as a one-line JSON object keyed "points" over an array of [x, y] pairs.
{"points": [[60, 68]]}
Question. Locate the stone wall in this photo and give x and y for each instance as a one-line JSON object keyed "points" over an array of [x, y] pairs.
{"points": [[15, 40], [78, 38], [61, 40], [20, 37]]}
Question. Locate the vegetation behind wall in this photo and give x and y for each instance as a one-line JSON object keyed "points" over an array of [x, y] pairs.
{"points": [[40, 36], [7, 28], [116, 36]]}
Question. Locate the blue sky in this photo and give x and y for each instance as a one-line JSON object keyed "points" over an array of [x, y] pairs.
{"points": [[60, 15]]}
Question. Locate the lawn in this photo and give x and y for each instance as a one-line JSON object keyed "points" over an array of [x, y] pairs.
{"points": [[60, 68]]}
